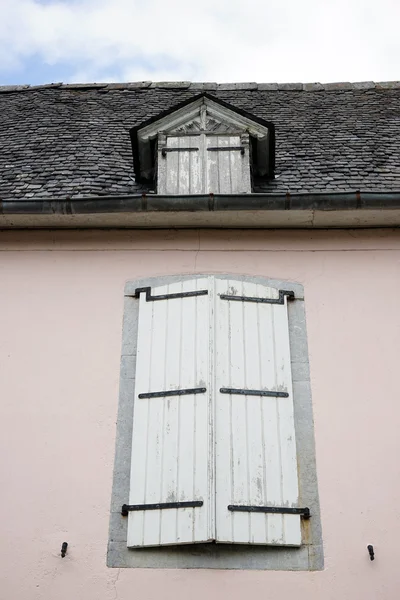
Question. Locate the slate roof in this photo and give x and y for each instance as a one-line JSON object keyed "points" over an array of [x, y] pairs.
{"points": [[70, 141]]}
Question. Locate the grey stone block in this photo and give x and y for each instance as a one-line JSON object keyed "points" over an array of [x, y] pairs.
{"points": [[298, 341], [118, 527], [364, 85], [268, 87], [342, 85], [388, 85], [227, 86], [120, 493], [209, 556], [290, 87], [316, 558], [195, 85], [138, 84], [251, 85], [46, 86], [13, 88], [300, 371], [313, 87], [171, 84], [129, 330], [128, 367]]}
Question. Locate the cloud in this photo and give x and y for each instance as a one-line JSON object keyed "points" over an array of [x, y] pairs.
{"points": [[211, 40]]}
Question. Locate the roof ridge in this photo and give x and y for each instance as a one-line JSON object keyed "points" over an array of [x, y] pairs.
{"points": [[198, 86]]}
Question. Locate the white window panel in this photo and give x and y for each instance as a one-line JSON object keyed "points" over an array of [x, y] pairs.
{"points": [[180, 170], [245, 443], [255, 436], [228, 167], [172, 437], [202, 164]]}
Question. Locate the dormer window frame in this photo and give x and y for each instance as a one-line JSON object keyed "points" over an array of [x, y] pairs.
{"points": [[204, 117]]}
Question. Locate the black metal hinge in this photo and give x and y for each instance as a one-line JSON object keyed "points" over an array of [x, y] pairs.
{"points": [[150, 298], [280, 300], [276, 510], [126, 508], [226, 148], [173, 393], [271, 394], [165, 150]]}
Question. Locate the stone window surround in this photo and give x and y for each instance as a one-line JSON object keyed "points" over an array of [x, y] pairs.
{"points": [[218, 556]]}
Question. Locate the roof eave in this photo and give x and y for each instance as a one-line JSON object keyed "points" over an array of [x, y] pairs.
{"points": [[300, 210]]}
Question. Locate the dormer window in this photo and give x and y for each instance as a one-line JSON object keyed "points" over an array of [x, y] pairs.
{"points": [[203, 146]]}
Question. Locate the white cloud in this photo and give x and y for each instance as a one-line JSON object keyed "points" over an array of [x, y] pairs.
{"points": [[211, 40]]}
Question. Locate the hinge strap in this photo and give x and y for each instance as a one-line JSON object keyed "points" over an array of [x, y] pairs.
{"points": [[159, 506], [165, 150], [280, 300], [226, 148], [268, 393], [173, 393], [150, 298], [277, 510]]}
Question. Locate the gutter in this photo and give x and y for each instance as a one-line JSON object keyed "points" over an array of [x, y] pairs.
{"points": [[219, 210], [210, 202]]}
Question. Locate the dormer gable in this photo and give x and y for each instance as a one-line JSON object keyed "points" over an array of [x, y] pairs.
{"points": [[203, 146]]}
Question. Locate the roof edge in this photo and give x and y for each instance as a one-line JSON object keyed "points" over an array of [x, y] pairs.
{"points": [[343, 210], [326, 201], [199, 86]]}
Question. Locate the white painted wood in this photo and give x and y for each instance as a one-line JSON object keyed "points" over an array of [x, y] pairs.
{"points": [[255, 437], [228, 171], [179, 172], [182, 116], [172, 435], [220, 448]]}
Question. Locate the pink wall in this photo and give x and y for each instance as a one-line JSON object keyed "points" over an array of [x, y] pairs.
{"points": [[61, 300]]}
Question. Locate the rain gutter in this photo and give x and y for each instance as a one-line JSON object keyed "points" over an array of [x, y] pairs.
{"points": [[327, 209]]}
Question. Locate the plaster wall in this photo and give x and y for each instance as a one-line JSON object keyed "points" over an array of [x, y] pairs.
{"points": [[61, 306]]}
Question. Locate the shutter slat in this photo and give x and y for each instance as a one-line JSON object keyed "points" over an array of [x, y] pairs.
{"points": [[289, 484], [270, 416], [255, 433], [256, 453], [166, 430], [224, 457], [171, 169], [182, 171], [228, 170]]}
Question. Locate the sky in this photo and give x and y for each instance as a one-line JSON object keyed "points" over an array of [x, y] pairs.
{"points": [[80, 41]]}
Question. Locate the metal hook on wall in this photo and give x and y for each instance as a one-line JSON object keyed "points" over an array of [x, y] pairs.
{"points": [[64, 549], [371, 551]]}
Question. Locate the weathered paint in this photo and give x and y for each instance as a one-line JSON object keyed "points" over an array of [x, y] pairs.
{"points": [[61, 299], [170, 454], [255, 437], [203, 163]]}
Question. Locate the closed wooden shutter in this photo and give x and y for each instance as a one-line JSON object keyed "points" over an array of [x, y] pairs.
{"points": [[180, 170], [228, 167], [255, 436], [172, 437], [213, 417]]}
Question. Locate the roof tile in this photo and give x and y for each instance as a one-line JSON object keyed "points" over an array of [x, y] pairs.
{"points": [[73, 140]]}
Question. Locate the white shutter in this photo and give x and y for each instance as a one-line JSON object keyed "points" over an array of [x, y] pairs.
{"points": [[255, 436], [172, 442], [228, 166], [179, 166]]}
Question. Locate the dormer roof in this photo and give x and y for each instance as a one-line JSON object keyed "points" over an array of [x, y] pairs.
{"points": [[204, 114]]}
